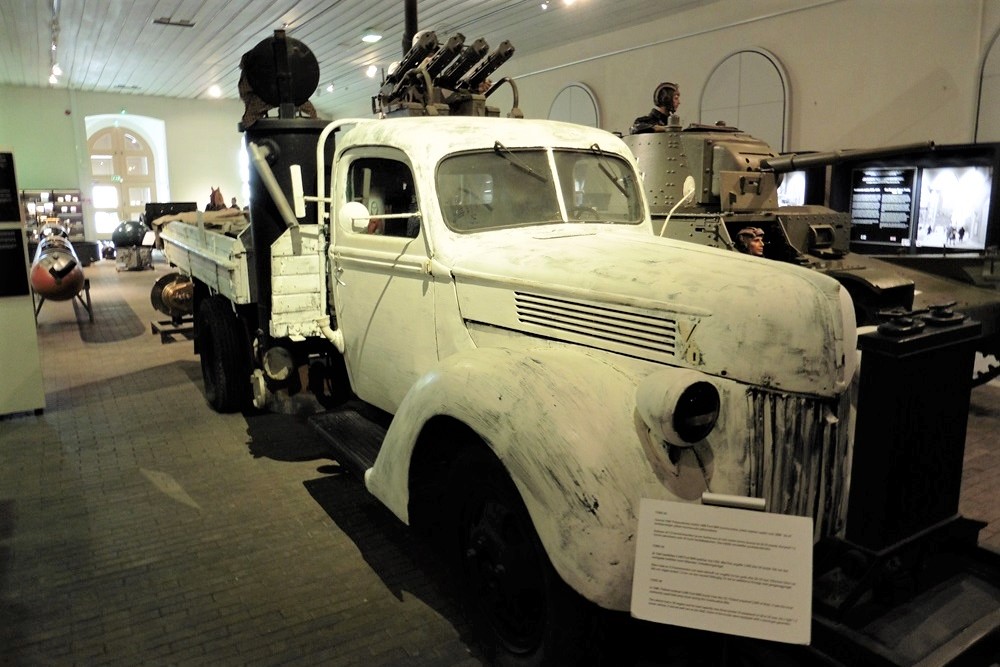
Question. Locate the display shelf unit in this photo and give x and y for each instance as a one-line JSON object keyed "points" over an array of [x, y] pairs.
{"points": [[53, 207]]}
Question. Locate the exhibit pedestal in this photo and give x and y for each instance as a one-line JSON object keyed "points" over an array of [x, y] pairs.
{"points": [[20, 363], [134, 259]]}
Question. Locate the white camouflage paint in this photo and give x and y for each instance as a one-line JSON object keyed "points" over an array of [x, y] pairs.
{"points": [[537, 338]]}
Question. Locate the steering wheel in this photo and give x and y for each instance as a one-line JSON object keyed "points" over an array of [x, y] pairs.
{"points": [[584, 213], [475, 198]]}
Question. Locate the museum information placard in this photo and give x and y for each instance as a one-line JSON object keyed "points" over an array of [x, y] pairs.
{"points": [[733, 571], [882, 205]]}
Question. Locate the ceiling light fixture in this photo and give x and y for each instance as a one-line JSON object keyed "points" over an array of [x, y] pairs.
{"points": [[370, 36], [214, 91], [180, 23], [372, 71], [54, 70]]}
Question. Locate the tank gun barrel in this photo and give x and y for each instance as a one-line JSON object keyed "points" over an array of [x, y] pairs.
{"points": [[791, 162]]}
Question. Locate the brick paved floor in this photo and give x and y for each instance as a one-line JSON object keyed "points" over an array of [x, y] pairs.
{"points": [[139, 527]]}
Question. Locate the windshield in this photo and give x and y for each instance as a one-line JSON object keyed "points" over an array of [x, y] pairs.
{"points": [[512, 188]]}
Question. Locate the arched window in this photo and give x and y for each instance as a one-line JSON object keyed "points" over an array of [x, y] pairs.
{"points": [[749, 90], [576, 103], [123, 177], [987, 120]]}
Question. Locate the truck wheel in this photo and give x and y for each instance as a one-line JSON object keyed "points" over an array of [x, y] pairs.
{"points": [[523, 611], [223, 349]]}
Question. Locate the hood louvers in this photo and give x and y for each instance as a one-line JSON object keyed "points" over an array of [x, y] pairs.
{"points": [[598, 324]]}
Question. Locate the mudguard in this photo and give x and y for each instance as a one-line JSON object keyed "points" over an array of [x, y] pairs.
{"points": [[563, 423]]}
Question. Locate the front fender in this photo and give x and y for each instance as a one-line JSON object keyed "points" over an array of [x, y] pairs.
{"points": [[562, 421]]}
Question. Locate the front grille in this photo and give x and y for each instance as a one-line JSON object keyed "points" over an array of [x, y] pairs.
{"points": [[799, 457], [597, 323]]}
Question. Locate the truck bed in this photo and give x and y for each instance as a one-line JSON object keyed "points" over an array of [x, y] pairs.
{"points": [[217, 259]]}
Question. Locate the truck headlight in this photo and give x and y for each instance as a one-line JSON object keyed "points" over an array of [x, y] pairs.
{"points": [[680, 407]]}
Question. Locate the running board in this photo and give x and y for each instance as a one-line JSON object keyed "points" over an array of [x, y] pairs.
{"points": [[355, 432]]}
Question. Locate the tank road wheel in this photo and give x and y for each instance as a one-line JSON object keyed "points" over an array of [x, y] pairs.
{"points": [[523, 611], [225, 365]]}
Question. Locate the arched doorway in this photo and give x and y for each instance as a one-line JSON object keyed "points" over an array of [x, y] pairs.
{"points": [[123, 177]]}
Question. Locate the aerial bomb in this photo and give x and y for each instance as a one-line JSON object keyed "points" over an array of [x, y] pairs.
{"points": [[56, 272]]}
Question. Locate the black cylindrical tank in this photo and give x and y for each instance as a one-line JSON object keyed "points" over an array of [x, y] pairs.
{"points": [[287, 142]]}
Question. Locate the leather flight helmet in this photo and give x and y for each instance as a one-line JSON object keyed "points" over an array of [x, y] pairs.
{"points": [[663, 96]]}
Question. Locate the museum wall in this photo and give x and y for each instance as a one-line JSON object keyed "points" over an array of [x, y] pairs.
{"points": [[34, 124], [987, 122], [45, 129], [861, 73]]}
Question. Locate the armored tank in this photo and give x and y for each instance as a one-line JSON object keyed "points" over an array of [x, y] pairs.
{"points": [[706, 183]]}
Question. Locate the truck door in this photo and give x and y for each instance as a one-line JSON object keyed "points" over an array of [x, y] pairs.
{"points": [[382, 292]]}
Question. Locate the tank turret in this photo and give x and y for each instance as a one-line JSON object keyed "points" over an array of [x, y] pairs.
{"points": [[732, 170], [706, 183]]}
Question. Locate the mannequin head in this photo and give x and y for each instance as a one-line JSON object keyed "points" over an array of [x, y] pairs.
{"points": [[667, 97], [751, 241]]}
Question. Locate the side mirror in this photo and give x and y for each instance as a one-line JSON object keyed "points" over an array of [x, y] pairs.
{"points": [[354, 215], [687, 190]]}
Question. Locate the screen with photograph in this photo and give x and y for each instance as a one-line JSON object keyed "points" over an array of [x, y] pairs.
{"points": [[792, 191], [882, 202], [954, 207]]}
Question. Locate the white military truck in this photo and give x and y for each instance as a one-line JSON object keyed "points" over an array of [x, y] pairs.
{"points": [[511, 359]]}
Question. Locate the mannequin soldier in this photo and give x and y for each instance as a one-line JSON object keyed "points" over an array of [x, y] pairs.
{"points": [[666, 98]]}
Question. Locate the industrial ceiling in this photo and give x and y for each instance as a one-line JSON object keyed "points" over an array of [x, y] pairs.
{"points": [[181, 48]]}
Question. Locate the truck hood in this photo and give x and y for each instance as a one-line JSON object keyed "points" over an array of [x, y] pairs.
{"points": [[761, 322]]}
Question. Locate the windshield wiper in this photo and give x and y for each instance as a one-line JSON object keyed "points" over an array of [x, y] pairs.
{"points": [[508, 155], [601, 157]]}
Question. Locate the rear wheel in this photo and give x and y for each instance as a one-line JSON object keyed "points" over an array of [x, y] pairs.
{"points": [[225, 365], [524, 612]]}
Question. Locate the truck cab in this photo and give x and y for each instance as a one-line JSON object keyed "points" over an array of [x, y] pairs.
{"points": [[441, 207]]}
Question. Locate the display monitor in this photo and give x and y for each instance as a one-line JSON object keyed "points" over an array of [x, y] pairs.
{"points": [[792, 191], [933, 200], [954, 207]]}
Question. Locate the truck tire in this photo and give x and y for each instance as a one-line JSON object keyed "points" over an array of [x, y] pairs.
{"points": [[225, 366], [523, 612]]}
